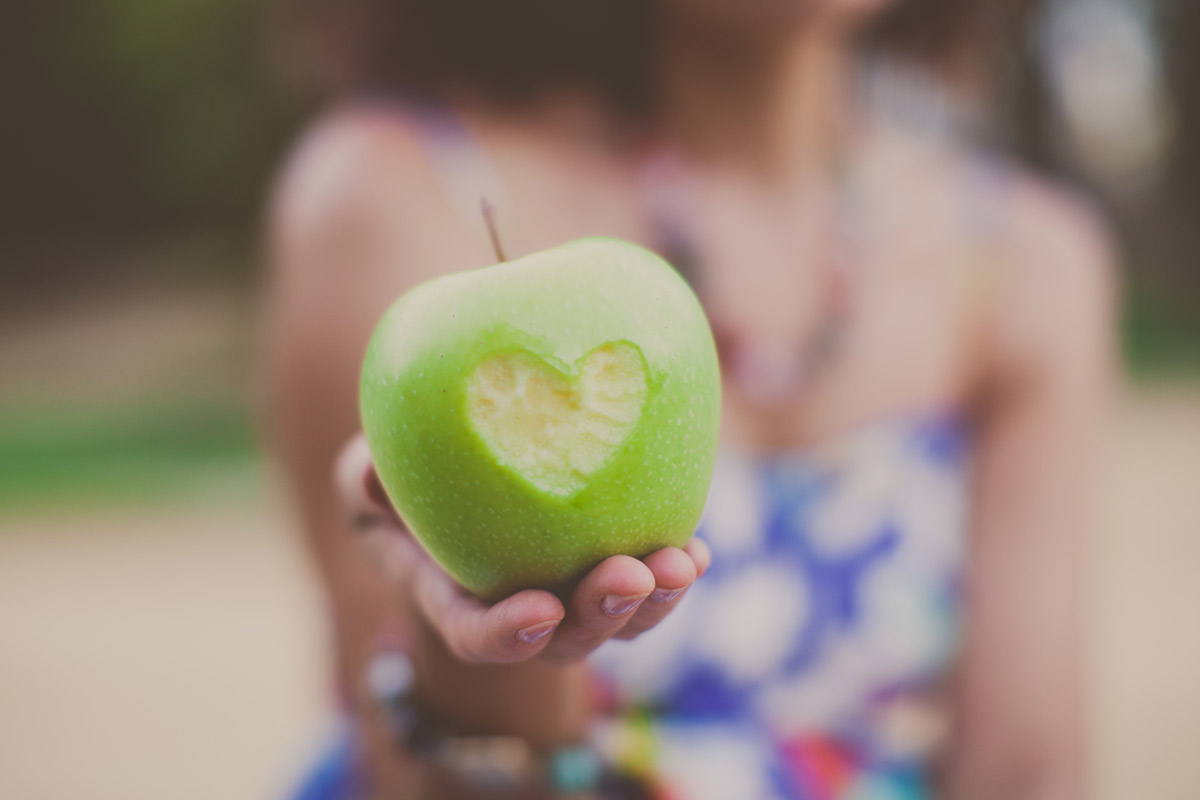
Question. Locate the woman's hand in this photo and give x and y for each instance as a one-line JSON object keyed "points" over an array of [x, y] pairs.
{"points": [[621, 597]]}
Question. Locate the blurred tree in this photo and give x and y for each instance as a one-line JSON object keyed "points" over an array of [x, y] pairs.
{"points": [[1082, 65], [1165, 314], [1182, 191], [126, 119]]}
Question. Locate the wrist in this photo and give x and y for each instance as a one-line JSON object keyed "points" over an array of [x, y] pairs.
{"points": [[487, 763], [546, 704]]}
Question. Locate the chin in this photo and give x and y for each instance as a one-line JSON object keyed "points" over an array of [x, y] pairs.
{"points": [[770, 16], [855, 7]]}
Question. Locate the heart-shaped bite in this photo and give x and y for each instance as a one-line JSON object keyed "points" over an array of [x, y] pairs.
{"points": [[553, 429]]}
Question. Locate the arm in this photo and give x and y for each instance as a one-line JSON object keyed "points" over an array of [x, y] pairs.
{"points": [[327, 286], [361, 217], [1024, 674]]}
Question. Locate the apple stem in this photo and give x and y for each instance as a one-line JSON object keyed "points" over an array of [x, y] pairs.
{"points": [[489, 219]]}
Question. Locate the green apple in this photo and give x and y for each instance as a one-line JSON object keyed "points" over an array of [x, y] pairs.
{"points": [[532, 418]]}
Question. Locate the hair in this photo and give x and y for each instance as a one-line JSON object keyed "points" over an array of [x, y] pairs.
{"points": [[506, 51], [514, 51], [959, 40]]}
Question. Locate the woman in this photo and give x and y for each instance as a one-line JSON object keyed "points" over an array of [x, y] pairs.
{"points": [[889, 308]]}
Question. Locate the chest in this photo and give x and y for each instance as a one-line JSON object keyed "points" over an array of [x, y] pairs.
{"points": [[761, 268], [834, 583], [895, 303]]}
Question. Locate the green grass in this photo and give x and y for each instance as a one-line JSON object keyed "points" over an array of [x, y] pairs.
{"points": [[69, 457], [1160, 334]]}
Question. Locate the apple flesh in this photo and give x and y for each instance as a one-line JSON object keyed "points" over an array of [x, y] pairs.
{"points": [[532, 418]]}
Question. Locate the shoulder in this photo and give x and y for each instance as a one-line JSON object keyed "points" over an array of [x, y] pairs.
{"points": [[1056, 309], [1052, 295], [365, 206], [346, 168], [355, 220], [1057, 235]]}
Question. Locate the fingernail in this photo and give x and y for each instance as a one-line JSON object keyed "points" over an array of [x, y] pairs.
{"points": [[666, 595], [616, 606], [535, 633]]}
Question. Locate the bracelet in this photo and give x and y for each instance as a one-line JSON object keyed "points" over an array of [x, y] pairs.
{"points": [[487, 763]]}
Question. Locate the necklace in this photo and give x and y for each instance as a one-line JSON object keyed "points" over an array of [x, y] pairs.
{"points": [[769, 373]]}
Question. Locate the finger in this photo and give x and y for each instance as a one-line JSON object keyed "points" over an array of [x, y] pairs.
{"points": [[392, 550], [600, 606], [371, 515], [515, 629], [358, 485], [674, 571], [701, 555]]}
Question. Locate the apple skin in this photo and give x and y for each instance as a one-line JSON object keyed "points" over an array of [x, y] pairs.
{"points": [[492, 528]]}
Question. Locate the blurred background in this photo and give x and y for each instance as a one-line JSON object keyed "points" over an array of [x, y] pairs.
{"points": [[159, 633]]}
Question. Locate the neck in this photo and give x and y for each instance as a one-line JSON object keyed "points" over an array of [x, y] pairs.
{"points": [[777, 109], [563, 118]]}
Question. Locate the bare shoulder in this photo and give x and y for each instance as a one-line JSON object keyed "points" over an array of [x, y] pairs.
{"points": [[1058, 235], [1060, 281], [359, 182], [357, 218], [345, 158], [1055, 299]]}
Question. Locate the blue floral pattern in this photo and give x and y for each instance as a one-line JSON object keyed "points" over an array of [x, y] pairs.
{"points": [[833, 596]]}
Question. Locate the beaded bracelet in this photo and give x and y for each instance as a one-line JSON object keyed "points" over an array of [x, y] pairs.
{"points": [[489, 764]]}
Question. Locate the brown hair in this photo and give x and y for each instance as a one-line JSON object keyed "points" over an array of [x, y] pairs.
{"points": [[958, 39], [509, 51], [513, 51]]}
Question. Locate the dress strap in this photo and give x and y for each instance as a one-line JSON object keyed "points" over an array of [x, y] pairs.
{"points": [[466, 173]]}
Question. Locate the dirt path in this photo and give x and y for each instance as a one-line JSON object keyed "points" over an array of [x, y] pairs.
{"points": [[151, 655], [158, 656], [1147, 638]]}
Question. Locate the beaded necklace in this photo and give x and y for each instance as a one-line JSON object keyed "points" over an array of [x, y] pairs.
{"points": [[769, 373]]}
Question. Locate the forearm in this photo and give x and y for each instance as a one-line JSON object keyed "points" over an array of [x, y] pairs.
{"points": [[541, 703], [546, 705], [1042, 779], [509, 669]]}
